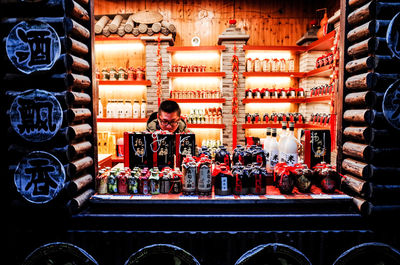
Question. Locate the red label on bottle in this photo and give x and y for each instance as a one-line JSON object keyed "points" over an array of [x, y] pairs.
{"points": [[238, 186], [241, 159], [226, 160], [259, 159]]}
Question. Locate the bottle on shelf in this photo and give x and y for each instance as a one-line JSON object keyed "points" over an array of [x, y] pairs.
{"points": [[120, 109], [290, 147], [273, 152], [143, 109], [100, 111], [136, 109], [128, 109], [266, 143], [282, 140], [110, 108]]}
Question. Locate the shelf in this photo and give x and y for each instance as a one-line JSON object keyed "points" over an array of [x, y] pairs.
{"points": [[273, 74], [196, 48], [205, 126], [202, 100], [324, 43], [279, 125], [324, 71], [125, 82], [201, 74], [275, 48], [273, 100], [318, 98], [117, 120]]}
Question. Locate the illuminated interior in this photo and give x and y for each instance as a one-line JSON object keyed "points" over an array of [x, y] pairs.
{"points": [[211, 59]]}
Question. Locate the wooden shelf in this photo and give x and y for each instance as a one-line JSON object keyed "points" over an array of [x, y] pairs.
{"points": [[117, 120], [206, 126], [195, 100], [196, 48], [324, 71], [322, 44], [201, 74], [275, 48], [125, 82], [273, 74], [273, 100], [318, 98], [115, 37], [279, 125]]}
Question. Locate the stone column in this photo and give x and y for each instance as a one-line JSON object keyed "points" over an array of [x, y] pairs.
{"points": [[151, 72], [230, 38]]}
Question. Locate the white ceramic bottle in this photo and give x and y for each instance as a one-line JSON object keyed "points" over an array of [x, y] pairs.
{"points": [[282, 140], [273, 152], [290, 147], [143, 109], [136, 109]]}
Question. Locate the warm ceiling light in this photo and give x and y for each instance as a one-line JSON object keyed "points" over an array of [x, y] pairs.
{"points": [[198, 56], [113, 46]]}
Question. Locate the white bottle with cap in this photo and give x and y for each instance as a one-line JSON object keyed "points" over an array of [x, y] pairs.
{"points": [[128, 109], [136, 109], [273, 152], [100, 111], [290, 147], [143, 109], [282, 140]]}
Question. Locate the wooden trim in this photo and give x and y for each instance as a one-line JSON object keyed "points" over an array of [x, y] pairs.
{"points": [[318, 98], [201, 74], [115, 37], [125, 82], [196, 48]]}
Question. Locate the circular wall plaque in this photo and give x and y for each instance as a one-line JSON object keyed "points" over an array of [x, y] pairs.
{"points": [[391, 105], [36, 115], [39, 177], [33, 46], [393, 35]]}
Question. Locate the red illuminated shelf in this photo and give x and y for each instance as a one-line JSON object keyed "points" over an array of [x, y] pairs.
{"points": [[275, 48], [117, 159], [125, 82], [318, 98], [201, 74], [196, 48], [273, 74], [279, 125], [324, 43], [206, 126], [116, 120], [324, 71], [273, 100], [203, 100]]}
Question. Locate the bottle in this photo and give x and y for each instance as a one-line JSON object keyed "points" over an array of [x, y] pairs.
{"points": [[266, 144], [108, 109], [100, 111], [128, 109], [143, 109], [290, 147], [273, 152], [136, 110], [120, 109], [282, 139]]}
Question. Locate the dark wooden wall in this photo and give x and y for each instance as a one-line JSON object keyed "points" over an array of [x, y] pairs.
{"points": [[276, 22]]}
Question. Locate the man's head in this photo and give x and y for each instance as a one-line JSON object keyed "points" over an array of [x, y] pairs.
{"points": [[169, 115]]}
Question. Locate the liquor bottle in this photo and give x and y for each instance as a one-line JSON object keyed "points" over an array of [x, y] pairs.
{"points": [[136, 110], [112, 182], [128, 109], [143, 109], [266, 144], [282, 140], [290, 147], [273, 152], [100, 111]]}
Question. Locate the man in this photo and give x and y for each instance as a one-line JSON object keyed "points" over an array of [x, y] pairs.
{"points": [[168, 118]]}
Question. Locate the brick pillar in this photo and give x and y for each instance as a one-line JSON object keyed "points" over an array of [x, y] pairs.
{"points": [[227, 91], [230, 37], [151, 73]]}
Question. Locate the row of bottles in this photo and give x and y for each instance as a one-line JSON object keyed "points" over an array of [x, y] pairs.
{"points": [[118, 108], [284, 151]]}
